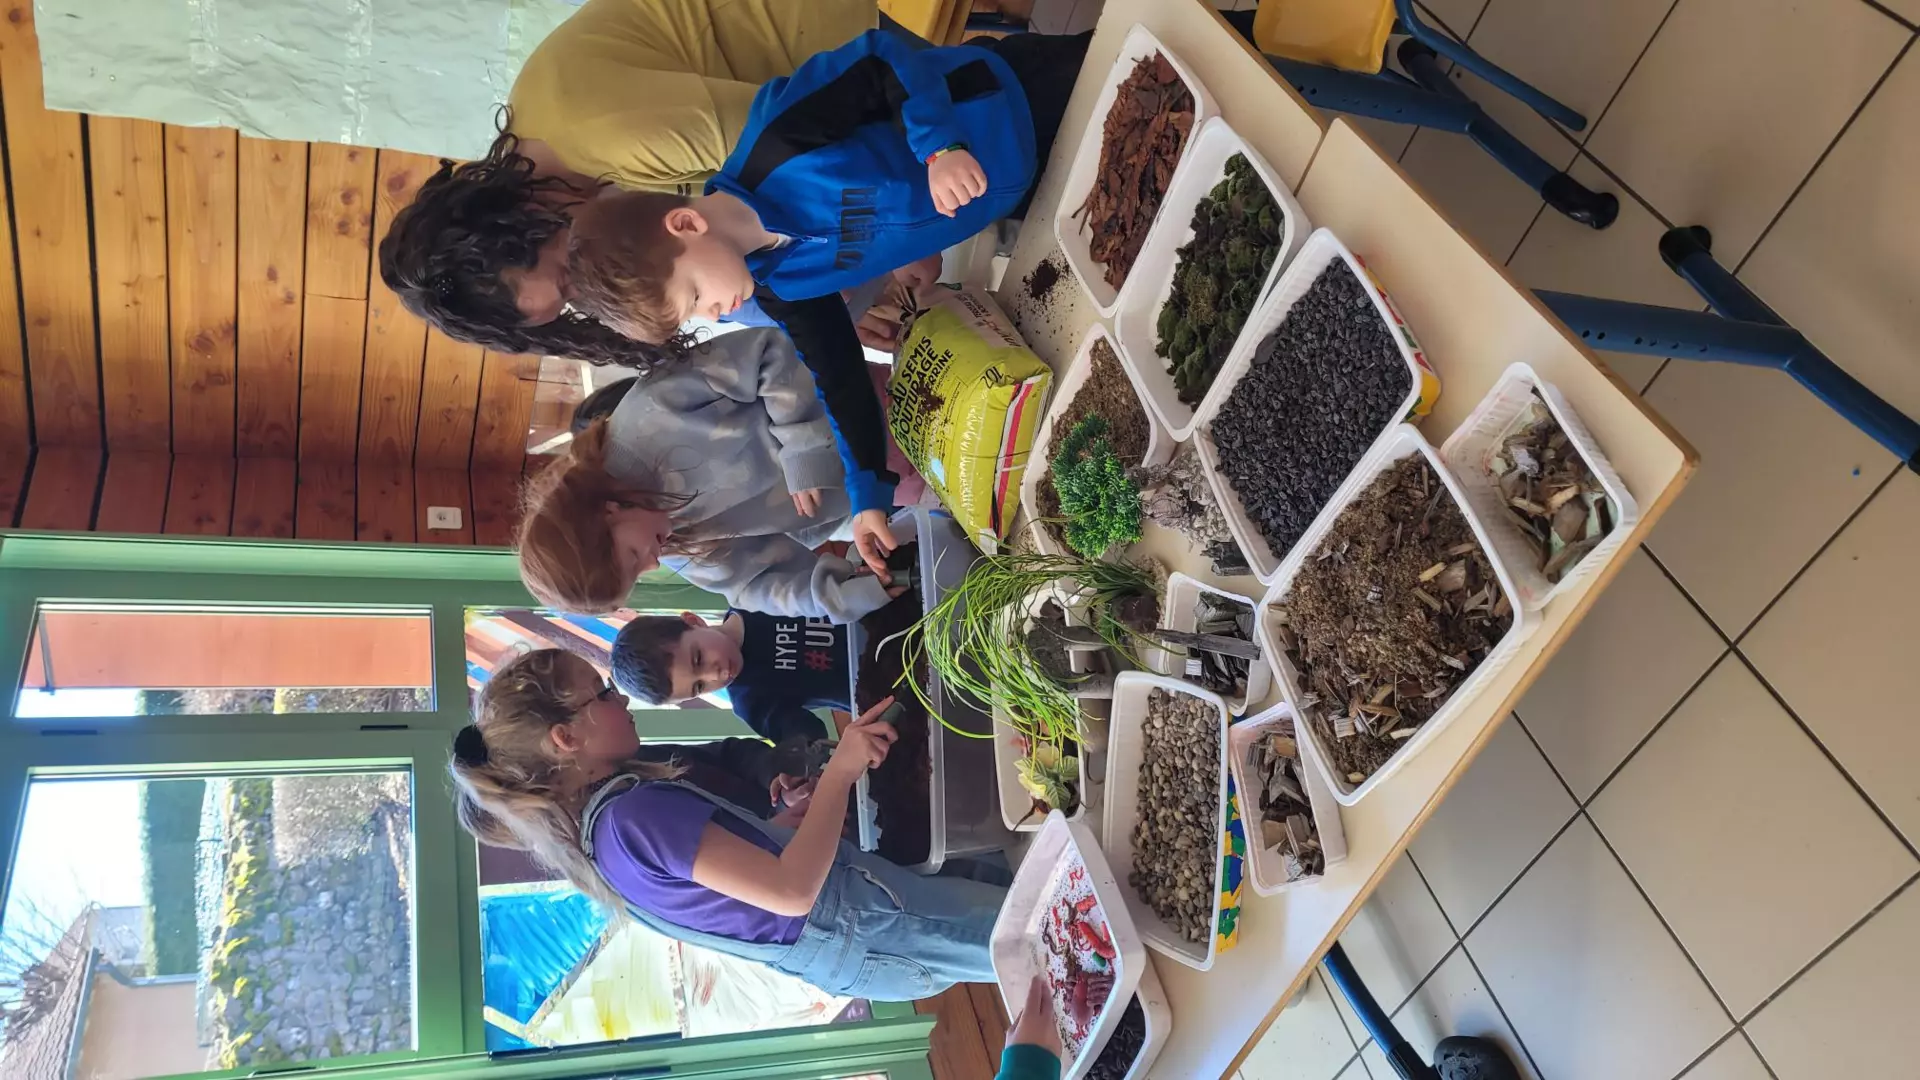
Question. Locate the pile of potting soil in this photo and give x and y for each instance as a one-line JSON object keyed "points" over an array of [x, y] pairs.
{"points": [[1108, 394], [899, 787], [1140, 143], [1395, 610], [1319, 392]]}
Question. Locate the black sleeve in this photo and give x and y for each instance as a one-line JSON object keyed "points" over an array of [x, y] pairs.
{"points": [[773, 718], [822, 334]]}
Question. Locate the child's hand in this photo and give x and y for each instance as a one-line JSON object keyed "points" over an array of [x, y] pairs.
{"points": [[874, 540], [807, 502], [918, 275], [956, 179], [1034, 1026], [876, 331], [862, 746], [790, 791]]}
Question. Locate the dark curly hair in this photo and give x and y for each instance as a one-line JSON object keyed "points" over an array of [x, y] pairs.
{"points": [[446, 253]]}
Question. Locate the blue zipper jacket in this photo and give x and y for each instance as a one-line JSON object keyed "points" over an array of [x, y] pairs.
{"points": [[834, 158]]}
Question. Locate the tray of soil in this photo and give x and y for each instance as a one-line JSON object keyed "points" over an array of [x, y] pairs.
{"points": [[922, 818], [1325, 368], [1095, 385], [1149, 106], [1390, 615], [1530, 467], [1177, 496], [1194, 607], [1293, 826], [1166, 812], [1066, 920], [1139, 1035], [1231, 224]]}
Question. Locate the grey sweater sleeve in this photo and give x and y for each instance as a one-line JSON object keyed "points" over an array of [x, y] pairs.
{"points": [[779, 576], [808, 457]]}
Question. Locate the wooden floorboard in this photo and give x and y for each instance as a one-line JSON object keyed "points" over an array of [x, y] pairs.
{"points": [[14, 464], [263, 497], [128, 159], [203, 185], [323, 507], [958, 1052], [272, 268], [496, 506], [60, 493], [384, 504], [200, 498]]}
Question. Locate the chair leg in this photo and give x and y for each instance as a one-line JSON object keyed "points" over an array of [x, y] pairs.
{"points": [[1502, 79]]}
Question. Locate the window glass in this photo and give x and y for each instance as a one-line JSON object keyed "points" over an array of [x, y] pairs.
{"points": [[168, 925], [120, 660]]}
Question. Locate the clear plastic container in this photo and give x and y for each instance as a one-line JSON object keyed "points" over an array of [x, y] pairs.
{"points": [[1159, 443], [1401, 442], [1469, 452], [1125, 751], [1069, 229], [1179, 610], [1321, 250], [1266, 870], [1136, 322], [1058, 848]]}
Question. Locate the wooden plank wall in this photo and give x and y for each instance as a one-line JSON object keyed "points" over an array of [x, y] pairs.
{"points": [[193, 338]]}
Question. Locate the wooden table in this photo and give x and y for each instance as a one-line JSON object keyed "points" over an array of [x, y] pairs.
{"points": [[1472, 320]]}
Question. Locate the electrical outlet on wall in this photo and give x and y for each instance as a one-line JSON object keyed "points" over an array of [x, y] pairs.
{"points": [[443, 517]]}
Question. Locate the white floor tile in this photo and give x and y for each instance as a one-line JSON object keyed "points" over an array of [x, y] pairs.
{"points": [[1456, 1002], [1457, 16], [1395, 940], [1358, 1071], [1852, 1014], [1494, 821], [1839, 648], [1375, 1059], [1576, 51], [1589, 977], [1839, 262], [1488, 204], [1619, 262], [1750, 844], [1779, 472], [1731, 1060], [1734, 102], [1639, 649], [1307, 1041]]}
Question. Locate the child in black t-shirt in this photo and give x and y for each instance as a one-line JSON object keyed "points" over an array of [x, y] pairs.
{"points": [[774, 668]]}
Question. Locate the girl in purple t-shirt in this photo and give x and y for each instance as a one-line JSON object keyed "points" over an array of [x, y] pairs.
{"points": [[548, 766]]}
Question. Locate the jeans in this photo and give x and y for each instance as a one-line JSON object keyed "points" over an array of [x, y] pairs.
{"points": [[880, 932]]}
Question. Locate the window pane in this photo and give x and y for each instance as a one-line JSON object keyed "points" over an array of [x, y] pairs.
{"points": [[116, 660], [200, 924]]}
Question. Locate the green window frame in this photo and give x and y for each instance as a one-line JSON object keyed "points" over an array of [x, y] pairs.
{"points": [[450, 1032]]}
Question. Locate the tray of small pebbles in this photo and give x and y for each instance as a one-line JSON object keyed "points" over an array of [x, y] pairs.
{"points": [[1529, 466], [1194, 607], [1166, 811], [1390, 614], [1293, 820], [1323, 370]]}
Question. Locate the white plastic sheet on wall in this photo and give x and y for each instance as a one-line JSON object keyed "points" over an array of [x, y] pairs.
{"points": [[419, 75]]}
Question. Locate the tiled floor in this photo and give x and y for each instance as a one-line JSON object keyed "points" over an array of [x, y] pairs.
{"points": [[1692, 852]]}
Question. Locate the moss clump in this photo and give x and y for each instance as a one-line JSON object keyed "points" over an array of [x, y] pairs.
{"points": [[1236, 238]]}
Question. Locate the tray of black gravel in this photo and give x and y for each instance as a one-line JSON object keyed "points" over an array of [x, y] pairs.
{"points": [[1324, 369], [1136, 1041], [1390, 617]]}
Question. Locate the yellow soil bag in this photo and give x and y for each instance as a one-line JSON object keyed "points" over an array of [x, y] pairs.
{"points": [[967, 396]]}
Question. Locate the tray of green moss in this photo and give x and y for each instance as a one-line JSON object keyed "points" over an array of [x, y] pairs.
{"points": [[1195, 286]]}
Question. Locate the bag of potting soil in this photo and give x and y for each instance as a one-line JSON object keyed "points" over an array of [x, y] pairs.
{"points": [[967, 397]]}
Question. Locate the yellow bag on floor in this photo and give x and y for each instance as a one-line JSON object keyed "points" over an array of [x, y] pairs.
{"points": [[967, 396]]}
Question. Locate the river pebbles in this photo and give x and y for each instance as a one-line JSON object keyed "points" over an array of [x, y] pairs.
{"points": [[1320, 390], [1176, 841]]}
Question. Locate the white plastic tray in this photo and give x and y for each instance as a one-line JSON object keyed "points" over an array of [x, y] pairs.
{"points": [[1124, 754], [1069, 230], [1159, 443], [1180, 611], [1145, 293], [1321, 250], [1266, 870], [1470, 449], [1057, 848], [1401, 442]]}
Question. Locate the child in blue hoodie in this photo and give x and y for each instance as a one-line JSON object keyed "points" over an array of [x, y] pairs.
{"points": [[870, 156]]}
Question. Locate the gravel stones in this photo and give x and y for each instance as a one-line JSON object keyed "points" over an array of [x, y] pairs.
{"points": [[1141, 140], [1176, 839], [1123, 1047], [1318, 393], [1394, 610]]}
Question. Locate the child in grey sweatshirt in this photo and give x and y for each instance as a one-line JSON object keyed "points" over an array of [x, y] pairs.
{"points": [[733, 445]]}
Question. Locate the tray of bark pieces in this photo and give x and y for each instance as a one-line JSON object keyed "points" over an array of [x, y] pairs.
{"points": [[1293, 821], [1147, 110], [1389, 616]]}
